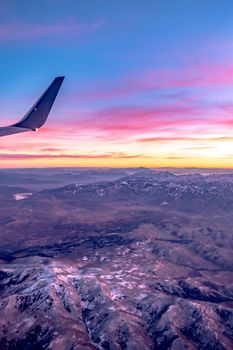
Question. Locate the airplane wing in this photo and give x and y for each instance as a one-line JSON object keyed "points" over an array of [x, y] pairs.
{"points": [[39, 112]]}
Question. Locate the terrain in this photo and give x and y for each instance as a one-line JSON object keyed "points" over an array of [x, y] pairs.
{"points": [[116, 259]]}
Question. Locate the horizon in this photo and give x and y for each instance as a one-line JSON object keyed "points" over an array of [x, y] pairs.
{"points": [[111, 167], [149, 84]]}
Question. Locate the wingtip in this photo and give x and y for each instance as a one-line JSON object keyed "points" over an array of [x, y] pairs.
{"points": [[34, 119]]}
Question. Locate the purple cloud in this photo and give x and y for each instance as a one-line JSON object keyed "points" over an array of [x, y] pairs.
{"points": [[32, 31]]}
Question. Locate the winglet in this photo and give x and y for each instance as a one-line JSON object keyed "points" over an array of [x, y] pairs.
{"points": [[39, 112]]}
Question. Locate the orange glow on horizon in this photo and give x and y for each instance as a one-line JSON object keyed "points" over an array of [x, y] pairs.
{"points": [[118, 163], [43, 151]]}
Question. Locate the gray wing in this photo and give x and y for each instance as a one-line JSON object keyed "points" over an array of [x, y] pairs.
{"points": [[39, 112], [9, 130]]}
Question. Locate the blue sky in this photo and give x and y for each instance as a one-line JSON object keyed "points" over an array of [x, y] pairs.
{"points": [[125, 62]]}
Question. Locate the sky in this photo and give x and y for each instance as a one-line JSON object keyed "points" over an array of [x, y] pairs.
{"points": [[148, 82]]}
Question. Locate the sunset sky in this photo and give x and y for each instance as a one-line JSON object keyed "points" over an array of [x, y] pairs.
{"points": [[148, 82]]}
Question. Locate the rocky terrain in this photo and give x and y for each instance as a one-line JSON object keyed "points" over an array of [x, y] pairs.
{"points": [[131, 260]]}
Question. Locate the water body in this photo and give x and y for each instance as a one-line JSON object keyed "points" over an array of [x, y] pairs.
{"points": [[20, 196]]}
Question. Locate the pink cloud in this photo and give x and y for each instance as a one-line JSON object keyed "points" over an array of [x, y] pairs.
{"points": [[183, 138], [31, 31], [155, 80], [51, 149], [177, 121], [114, 155], [164, 138], [118, 121], [121, 122]]}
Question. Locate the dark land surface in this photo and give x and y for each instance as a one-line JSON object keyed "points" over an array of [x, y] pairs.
{"points": [[116, 259]]}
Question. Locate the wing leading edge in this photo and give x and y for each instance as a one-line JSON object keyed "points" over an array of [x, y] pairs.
{"points": [[39, 112]]}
